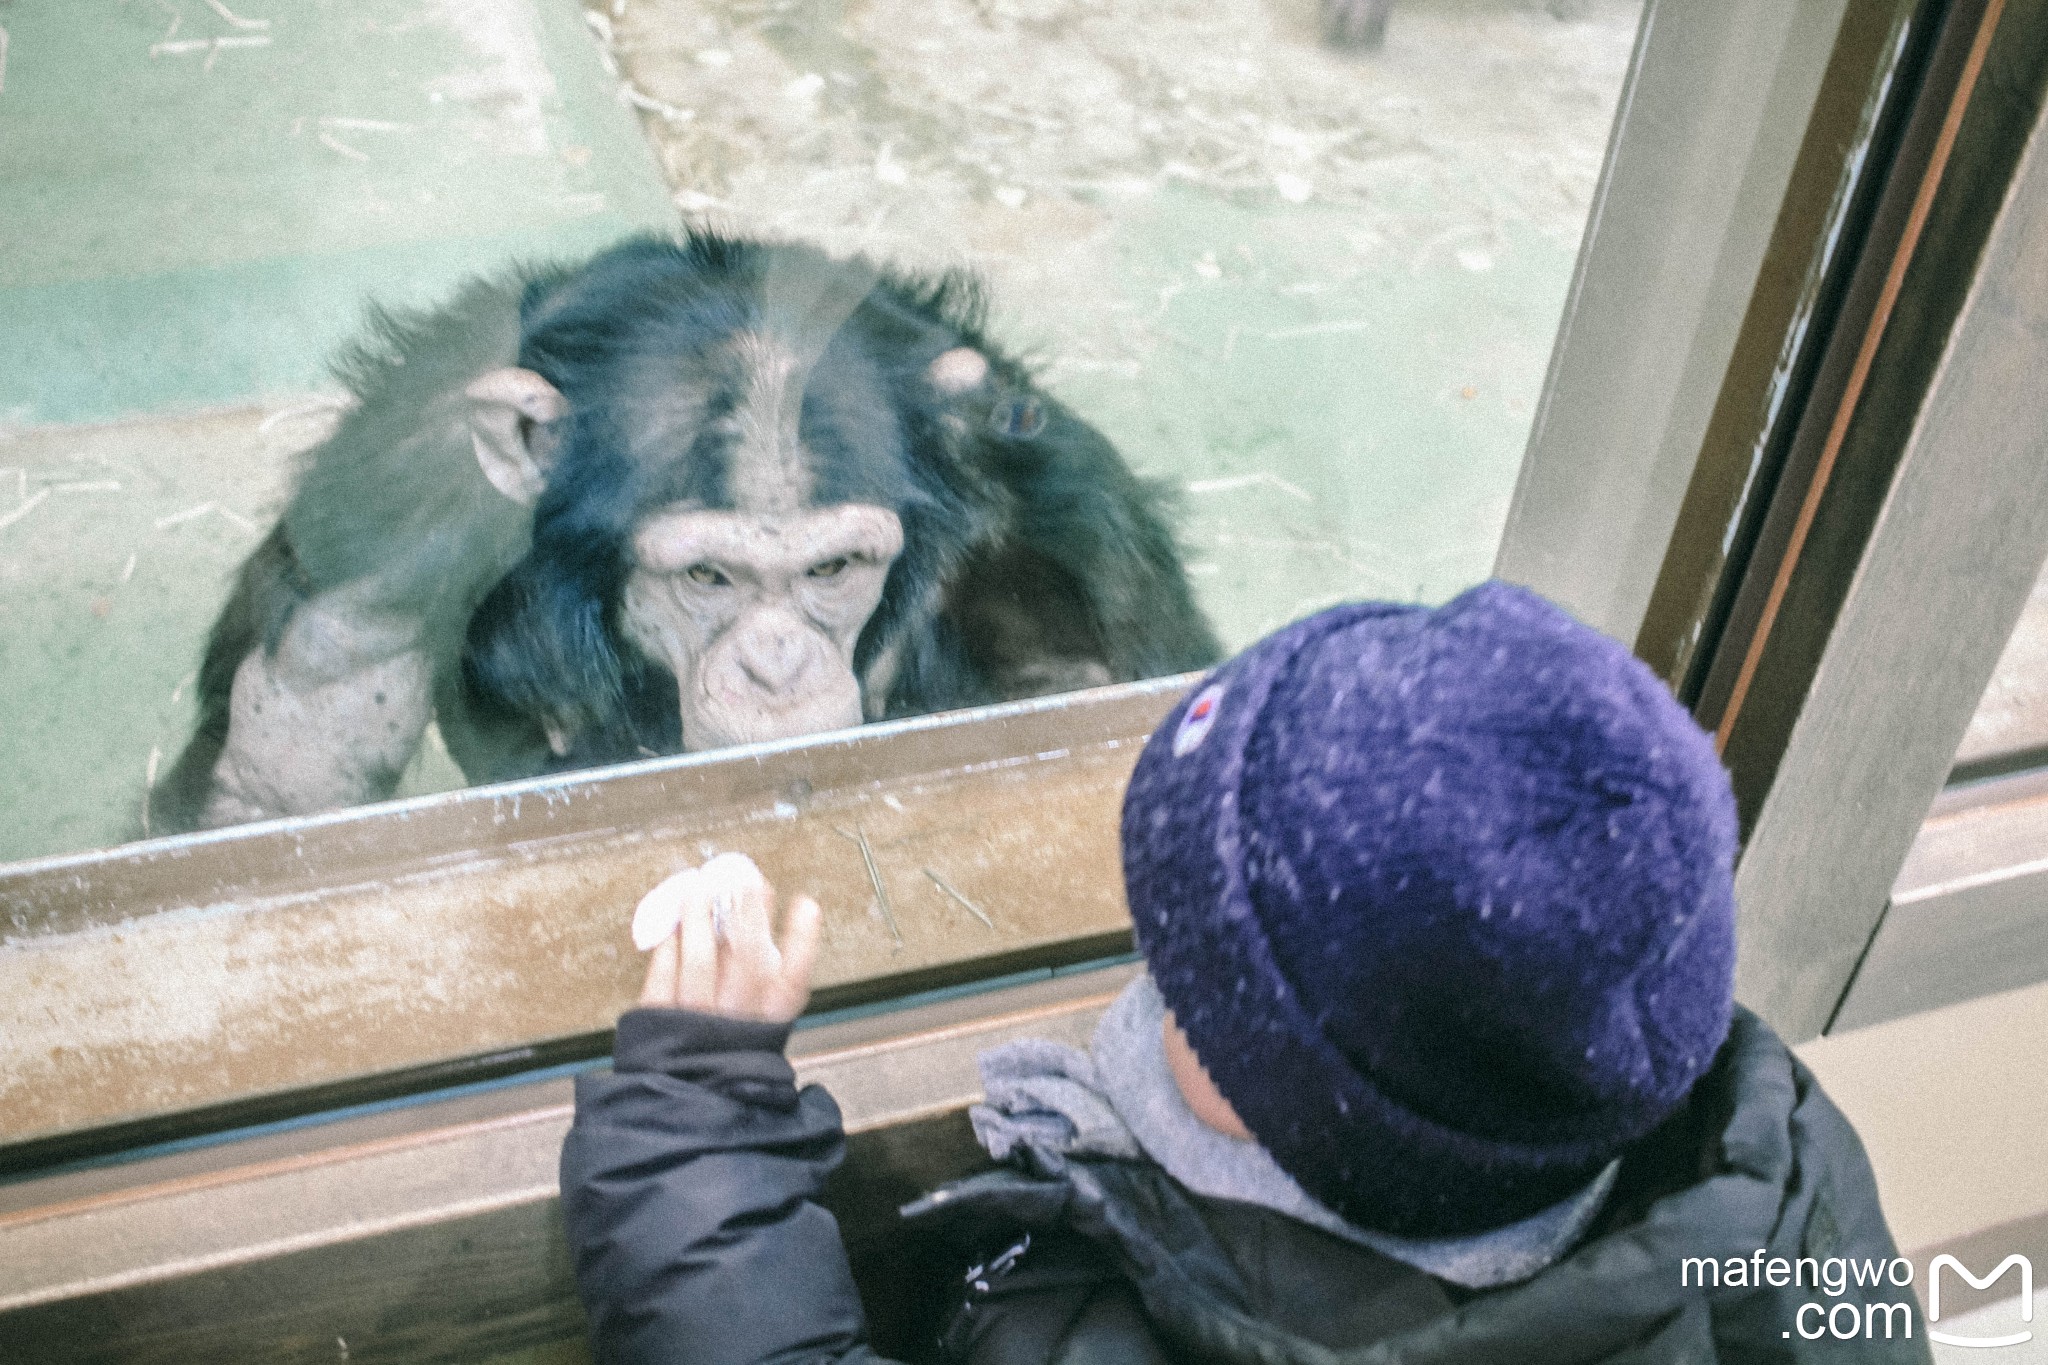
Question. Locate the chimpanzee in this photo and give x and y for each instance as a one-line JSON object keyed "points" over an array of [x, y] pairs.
{"points": [[692, 493], [1360, 24]]}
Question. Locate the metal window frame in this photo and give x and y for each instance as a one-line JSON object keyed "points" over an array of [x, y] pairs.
{"points": [[1901, 566], [1857, 538], [1698, 174]]}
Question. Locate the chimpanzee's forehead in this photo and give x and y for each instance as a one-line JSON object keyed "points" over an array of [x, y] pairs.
{"points": [[759, 420]]}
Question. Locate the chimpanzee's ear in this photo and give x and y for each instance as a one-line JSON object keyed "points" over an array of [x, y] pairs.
{"points": [[960, 370], [508, 411]]}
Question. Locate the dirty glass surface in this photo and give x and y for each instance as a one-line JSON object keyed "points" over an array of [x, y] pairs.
{"points": [[1315, 288]]}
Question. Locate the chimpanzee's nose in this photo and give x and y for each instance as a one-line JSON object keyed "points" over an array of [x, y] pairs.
{"points": [[773, 657]]}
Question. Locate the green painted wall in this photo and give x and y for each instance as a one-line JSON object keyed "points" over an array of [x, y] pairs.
{"points": [[199, 227]]}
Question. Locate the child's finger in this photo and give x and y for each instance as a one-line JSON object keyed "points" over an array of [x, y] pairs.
{"points": [[749, 937], [660, 987], [697, 973], [742, 901], [800, 937], [732, 876]]}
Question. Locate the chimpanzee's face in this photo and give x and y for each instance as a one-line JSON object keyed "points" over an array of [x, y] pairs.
{"points": [[757, 614], [771, 461], [754, 595]]}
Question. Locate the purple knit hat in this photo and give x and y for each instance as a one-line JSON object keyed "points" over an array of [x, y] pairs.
{"points": [[1442, 899]]}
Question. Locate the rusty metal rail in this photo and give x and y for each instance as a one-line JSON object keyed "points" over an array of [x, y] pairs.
{"points": [[210, 981]]}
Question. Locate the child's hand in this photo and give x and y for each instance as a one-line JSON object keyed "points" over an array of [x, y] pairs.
{"points": [[721, 957]]}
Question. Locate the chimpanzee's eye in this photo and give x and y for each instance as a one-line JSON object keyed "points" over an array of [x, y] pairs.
{"points": [[1017, 419], [707, 575], [830, 568]]}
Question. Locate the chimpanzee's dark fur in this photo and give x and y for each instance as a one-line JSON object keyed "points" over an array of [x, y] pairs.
{"points": [[1028, 544]]}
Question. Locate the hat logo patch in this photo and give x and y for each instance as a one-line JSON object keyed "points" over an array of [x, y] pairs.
{"points": [[1198, 720]]}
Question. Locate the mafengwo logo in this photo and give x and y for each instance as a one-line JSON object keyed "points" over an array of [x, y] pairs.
{"points": [[2026, 1300], [1874, 1310]]}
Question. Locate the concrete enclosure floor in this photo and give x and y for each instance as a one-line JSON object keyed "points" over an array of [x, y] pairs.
{"points": [[1317, 290]]}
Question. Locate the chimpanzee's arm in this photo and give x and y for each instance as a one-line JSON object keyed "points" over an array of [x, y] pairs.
{"points": [[329, 718], [318, 676]]}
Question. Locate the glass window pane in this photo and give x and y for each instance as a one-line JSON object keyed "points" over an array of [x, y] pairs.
{"points": [[1311, 286], [1316, 286]]}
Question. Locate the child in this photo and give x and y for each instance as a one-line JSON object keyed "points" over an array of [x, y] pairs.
{"points": [[1435, 1058]]}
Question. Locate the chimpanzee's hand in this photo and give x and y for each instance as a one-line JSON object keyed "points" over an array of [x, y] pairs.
{"points": [[721, 957]]}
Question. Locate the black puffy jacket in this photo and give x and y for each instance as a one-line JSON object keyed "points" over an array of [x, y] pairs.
{"points": [[689, 1175]]}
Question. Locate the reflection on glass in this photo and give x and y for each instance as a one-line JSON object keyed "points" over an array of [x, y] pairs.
{"points": [[1313, 288], [2010, 728]]}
